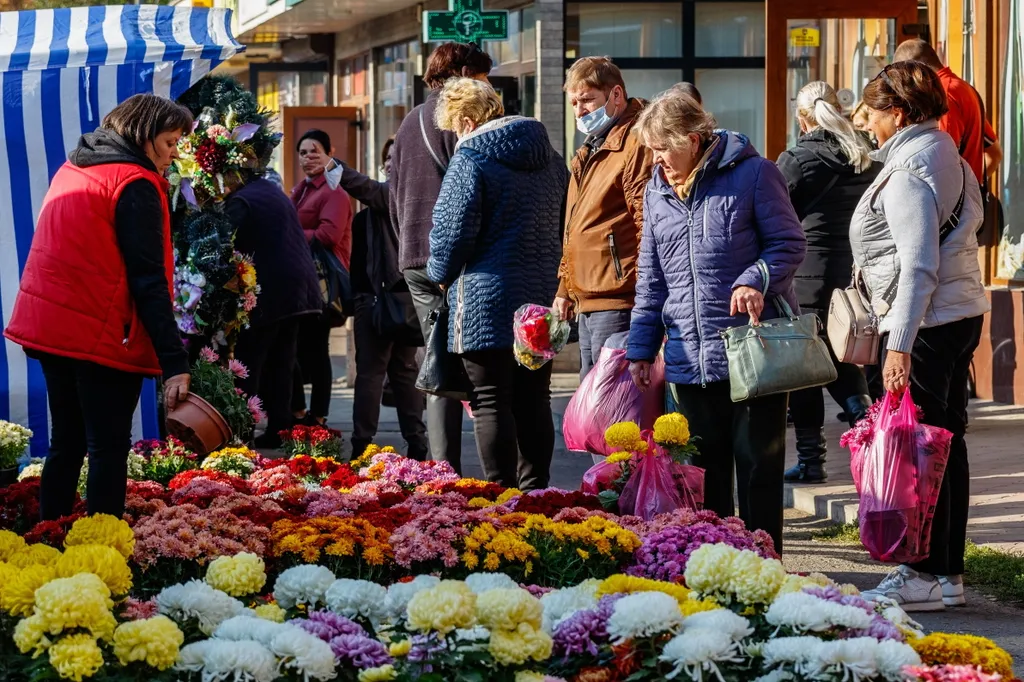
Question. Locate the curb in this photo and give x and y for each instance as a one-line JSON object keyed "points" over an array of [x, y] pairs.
{"points": [[836, 503]]}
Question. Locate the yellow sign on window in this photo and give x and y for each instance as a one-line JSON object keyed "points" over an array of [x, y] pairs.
{"points": [[805, 37], [202, 3]]}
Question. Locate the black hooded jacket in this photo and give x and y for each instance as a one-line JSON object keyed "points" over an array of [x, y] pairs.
{"points": [[138, 223], [825, 190]]}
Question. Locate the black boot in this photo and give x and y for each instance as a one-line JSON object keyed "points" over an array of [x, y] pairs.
{"points": [[857, 408], [810, 449]]}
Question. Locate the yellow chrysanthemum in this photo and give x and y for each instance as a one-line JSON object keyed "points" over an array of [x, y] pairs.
{"points": [[19, 595], [623, 436], [507, 608], [239, 575], [30, 635], [529, 676], [672, 429], [628, 584], [796, 583], [271, 612], [603, 535], [76, 657], [400, 649], [80, 602], [508, 495], [102, 529], [154, 641], [10, 544], [730, 575], [379, 674], [516, 647], [35, 554], [443, 608], [943, 648], [105, 562], [692, 606], [233, 452], [617, 457], [479, 503]]}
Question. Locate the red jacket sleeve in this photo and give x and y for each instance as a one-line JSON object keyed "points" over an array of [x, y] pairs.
{"points": [[335, 223]]}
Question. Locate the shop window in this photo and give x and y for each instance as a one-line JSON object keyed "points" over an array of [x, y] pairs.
{"points": [[646, 29], [396, 75], [729, 29], [1010, 252], [736, 98], [643, 83], [529, 24]]}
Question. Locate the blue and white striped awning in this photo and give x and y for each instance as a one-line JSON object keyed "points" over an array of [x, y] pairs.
{"points": [[61, 71]]}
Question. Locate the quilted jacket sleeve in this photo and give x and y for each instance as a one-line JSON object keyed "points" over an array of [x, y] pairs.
{"points": [[783, 244], [458, 216], [646, 328]]}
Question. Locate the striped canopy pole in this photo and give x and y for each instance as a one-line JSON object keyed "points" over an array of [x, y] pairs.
{"points": [[61, 72]]}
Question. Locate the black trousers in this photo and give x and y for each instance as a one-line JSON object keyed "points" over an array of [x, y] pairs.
{"points": [[515, 433], [444, 416], [269, 353], [748, 436], [807, 407], [91, 408], [377, 358], [940, 366], [313, 366]]}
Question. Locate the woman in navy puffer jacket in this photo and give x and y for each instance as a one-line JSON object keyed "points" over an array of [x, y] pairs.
{"points": [[721, 242], [496, 245]]}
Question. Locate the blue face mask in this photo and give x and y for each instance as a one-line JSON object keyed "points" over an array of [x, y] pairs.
{"points": [[596, 121]]}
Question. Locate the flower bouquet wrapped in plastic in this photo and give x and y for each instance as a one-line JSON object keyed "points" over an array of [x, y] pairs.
{"points": [[539, 335]]}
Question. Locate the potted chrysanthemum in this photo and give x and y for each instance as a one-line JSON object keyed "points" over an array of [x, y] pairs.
{"points": [[14, 438]]}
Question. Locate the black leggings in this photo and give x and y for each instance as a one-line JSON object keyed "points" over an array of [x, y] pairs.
{"points": [[91, 408], [313, 367]]}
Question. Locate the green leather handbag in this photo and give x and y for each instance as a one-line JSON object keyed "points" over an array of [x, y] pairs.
{"points": [[777, 356]]}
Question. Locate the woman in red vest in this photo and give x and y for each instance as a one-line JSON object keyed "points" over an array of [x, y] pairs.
{"points": [[94, 305]]}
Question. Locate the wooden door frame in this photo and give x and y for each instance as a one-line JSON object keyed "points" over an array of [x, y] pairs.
{"points": [[288, 116], [777, 16]]}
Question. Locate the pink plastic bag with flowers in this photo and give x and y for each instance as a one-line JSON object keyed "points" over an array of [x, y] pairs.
{"points": [[659, 485], [897, 465]]}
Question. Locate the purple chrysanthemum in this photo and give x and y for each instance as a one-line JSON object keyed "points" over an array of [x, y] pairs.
{"points": [[327, 625], [423, 650], [360, 651]]}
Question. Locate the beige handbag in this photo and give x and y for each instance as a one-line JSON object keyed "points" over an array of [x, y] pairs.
{"points": [[852, 326]]}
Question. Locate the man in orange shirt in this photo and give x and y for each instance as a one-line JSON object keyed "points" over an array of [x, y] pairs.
{"points": [[965, 122]]}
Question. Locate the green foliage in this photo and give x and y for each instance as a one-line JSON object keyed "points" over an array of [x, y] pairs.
{"points": [[995, 571], [841, 533], [216, 385]]}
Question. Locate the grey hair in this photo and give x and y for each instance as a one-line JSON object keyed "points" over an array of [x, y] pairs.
{"points": [[818, 105], [670, 119]]}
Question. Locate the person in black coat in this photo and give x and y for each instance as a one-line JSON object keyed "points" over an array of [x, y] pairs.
{"points": [[827, 171], [267, 229], [380, 353]]}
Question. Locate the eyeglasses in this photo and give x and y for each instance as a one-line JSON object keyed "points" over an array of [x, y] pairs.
{"points": [[884, 75]]}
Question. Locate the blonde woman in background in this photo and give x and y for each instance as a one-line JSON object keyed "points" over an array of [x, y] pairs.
{"points": [[827, 172], [496, 245]]}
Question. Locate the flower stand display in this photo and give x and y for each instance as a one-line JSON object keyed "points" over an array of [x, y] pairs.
{"points": [[236, 567]]}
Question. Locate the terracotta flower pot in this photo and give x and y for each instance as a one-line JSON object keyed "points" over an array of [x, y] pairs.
{"points": [[198, 425]]}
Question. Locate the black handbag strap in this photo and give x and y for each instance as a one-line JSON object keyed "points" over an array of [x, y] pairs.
{"points": [[443, 167]]}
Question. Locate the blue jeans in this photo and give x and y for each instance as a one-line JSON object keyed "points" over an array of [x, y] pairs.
{"points": [[595, 330]]}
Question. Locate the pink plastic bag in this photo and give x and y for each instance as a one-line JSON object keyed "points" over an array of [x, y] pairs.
{"points": [[898, 473], [608, 396], [600, 477], [659, 485]]}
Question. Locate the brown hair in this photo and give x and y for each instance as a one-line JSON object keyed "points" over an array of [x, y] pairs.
{"points": [[594, 72], [668, 121], [911, 87], [917, 50], [140, 118], [386, 148], [453, 60]]}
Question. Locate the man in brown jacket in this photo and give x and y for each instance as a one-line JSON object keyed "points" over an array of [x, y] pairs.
{"points": [[604, 211]]}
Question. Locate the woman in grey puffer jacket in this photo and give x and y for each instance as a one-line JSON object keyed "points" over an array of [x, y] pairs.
{"points": [[914, 238]]}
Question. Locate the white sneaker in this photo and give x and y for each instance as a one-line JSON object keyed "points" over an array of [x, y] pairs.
{"points": [[952, 590], [907, 588]]}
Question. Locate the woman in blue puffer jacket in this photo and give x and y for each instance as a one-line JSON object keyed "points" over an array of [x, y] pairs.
{"points": [[721, 243], [496, 245]]}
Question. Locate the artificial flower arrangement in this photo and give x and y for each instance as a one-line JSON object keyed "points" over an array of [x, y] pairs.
{"points": [[14, 439], [315, 441], [214, 382], [226, 305], [539, 335], [650, 471]]}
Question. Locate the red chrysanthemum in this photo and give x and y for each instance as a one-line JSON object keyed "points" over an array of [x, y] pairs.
{"points": [[343, 478], [211, 157], [52, 533], [186, 477], [19, 505], [553, 501]]}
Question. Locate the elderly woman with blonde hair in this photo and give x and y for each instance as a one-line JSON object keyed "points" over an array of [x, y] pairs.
{"points": [[720, 248], [496, 245]]}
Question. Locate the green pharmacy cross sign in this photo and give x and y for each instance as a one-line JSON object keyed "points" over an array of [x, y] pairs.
{"points": [[464, 22]]}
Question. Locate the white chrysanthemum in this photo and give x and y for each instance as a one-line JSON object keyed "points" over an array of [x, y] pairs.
{"points": [[305, 584], [700, 650], [643, 614], [195, 599], [709, 568], [895, 614], [33, 470], [848, 659], [788, 650], [309, 656], [721, 620], [475, 638], [560, 604], [804, 612], [482, 582], [220, 660], [891, 657], [777, 676], [357, 599], [399, 594], [249, 628]]}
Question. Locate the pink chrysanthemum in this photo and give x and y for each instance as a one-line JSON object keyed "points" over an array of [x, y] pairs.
{"points": [[238, 369], [208, 354], [255, 406]]}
